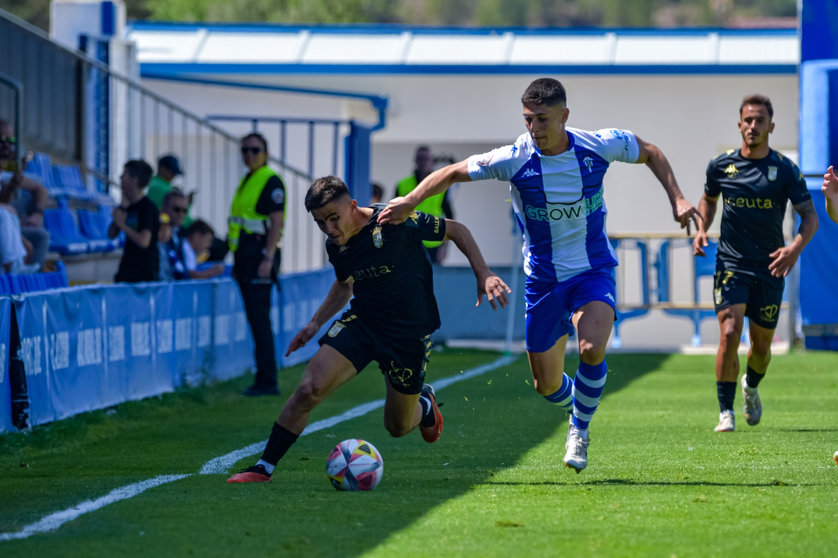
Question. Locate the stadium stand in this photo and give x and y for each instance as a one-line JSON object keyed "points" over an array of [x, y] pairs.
{"points": [[13, 284], [93, 225], [65, 237], [67, 182], [78, 222]]}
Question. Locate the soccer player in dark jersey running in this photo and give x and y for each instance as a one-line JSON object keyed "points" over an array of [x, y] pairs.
{"points": [[754, 182], [386, 272]]}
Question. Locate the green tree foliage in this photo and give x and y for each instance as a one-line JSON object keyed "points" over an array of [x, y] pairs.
{"points": [[282, 11], [478, 13], [35, 12]]}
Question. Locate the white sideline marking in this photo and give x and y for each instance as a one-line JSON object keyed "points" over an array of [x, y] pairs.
{"points": [[219, 465], [55, 520]]}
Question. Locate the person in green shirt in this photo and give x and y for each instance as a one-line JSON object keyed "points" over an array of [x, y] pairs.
{"points": [[437, 205], [168, 167]]}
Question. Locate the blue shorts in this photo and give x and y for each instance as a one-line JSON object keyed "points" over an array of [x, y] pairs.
{"points": [[551, 305]]}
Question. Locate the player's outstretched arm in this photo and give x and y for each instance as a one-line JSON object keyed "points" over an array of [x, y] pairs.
{"points": [[682, 210], [487, 282], [338, 296], [707, 212], [783, 259], [398, 210], [830, 192]]}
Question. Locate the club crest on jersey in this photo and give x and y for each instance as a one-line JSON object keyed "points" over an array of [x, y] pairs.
{"points": [[731, 170], [772, 172], [336, 328], [589, 163], [377, 239]]}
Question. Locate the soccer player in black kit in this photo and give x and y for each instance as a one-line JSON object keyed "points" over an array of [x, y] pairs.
{"points": [[386, 273], [755, 183]]}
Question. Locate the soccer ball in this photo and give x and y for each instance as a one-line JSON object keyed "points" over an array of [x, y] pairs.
{"points": [[354, 464]]}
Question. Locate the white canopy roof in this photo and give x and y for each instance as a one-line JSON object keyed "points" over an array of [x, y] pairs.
{"points": [[397, 49]]}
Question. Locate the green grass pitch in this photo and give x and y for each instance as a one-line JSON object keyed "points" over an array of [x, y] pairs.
{"points": [[659, 482]]}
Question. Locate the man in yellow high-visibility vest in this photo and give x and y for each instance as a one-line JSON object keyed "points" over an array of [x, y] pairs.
{"points": [[253, 235], [437, 205]]}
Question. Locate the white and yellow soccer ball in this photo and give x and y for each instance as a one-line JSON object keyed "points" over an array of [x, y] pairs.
{"points": [[354, 464]]}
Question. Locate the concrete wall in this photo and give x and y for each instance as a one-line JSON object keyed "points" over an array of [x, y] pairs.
{"points": [[692, 118]]}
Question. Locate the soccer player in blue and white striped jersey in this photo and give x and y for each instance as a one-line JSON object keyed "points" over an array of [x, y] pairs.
{"points": [[555, 174]]}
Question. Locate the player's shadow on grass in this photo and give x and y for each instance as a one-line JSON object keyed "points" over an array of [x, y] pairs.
{"points": [[630, 482], [806, 429], [491, 422]]}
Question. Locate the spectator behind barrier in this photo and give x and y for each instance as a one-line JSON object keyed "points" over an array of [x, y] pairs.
{"points": [[175, 208], [27, 196], [138, 219], [164, 235], [199, 237], [437, 205], [168, 167], [377, 193], [12, 251]]}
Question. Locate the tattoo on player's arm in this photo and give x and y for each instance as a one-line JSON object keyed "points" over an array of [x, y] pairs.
{"points": [[808, 218]]}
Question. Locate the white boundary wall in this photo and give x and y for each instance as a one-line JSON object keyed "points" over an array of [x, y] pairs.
{"points": [[690, 115]]}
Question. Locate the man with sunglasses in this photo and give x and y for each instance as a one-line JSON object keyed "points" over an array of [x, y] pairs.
{"points": [[257, 215], [175, 208]]}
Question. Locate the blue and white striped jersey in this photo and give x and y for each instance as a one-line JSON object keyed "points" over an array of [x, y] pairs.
{"points": [[558, 199]]}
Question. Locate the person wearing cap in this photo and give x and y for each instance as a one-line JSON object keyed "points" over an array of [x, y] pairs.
{"points": [[257, 215], [168, 167]]}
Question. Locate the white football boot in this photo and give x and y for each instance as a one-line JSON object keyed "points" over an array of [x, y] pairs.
{"points": [[727, 422], [753, 405], [576, 456]]}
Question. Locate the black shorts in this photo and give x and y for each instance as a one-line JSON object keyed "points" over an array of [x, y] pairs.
{"points": [[761, 296], [401, 359]]}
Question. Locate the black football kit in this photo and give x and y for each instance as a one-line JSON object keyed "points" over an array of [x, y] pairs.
{"points": [[393, 310], [753, 194]]}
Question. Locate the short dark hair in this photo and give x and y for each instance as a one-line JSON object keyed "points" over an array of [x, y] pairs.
{"points": [[174, 193], [324, 190], [757, 99], [140, 170], [171, 163], [258, 136], [199, 227], [544, 91], [377, 190]]}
